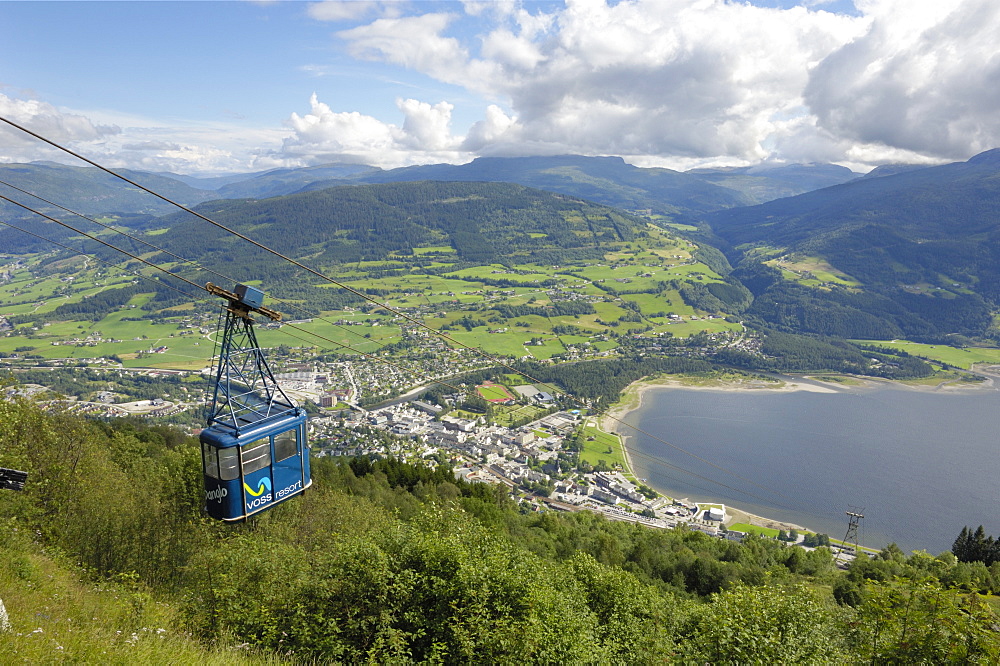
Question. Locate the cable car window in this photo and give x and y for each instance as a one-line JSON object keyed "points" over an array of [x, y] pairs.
{"points": [[210, 454], [256, 455], [229, 463], [285, 445]]}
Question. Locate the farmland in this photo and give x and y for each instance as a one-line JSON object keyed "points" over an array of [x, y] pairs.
{"points": [[960, 357], [572, 310]]}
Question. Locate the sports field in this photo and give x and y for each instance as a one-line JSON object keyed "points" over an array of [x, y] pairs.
{"points": [[494, 392]]}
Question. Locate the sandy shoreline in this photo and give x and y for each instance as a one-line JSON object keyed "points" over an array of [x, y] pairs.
{"points": [[614, 421]]}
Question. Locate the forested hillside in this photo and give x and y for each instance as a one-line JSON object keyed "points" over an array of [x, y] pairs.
{"points": [[912, 254], [605, 180], [482, 222], [106, 557], [93, 192]]}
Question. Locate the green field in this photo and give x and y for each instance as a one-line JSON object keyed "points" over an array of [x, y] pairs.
{"points": [[434, 249], [960, 357], [491, 392], [811, 271], [506, 415], [599, 445], [754, 529], [484, 294]]}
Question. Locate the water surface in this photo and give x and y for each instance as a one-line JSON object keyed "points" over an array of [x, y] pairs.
{"points": [[922, 464]]}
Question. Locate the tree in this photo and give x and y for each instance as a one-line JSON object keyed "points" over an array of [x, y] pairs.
{"points": [[976, 546], [918, 623], [963, 545], [761, 625], [847, 592]]}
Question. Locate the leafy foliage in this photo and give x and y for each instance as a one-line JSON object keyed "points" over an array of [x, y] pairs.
{"points": [[382, 561]]}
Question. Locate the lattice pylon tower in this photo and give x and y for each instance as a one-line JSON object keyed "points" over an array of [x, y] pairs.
{"points": [[245, 388], [854, 519]]}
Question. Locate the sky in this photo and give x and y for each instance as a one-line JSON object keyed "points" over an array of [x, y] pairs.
{"points": [[204, 87]]}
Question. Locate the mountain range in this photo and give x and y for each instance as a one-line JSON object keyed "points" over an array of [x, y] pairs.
{"points": [[905, 251], [482, 222], [605, 180], [920, 245]]}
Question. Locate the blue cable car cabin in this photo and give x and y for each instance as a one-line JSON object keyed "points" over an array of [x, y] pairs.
{"points": [[254, 452], [250, 472]]}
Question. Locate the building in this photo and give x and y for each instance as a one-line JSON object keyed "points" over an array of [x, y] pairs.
{"points": [[716, 513], [426, 407]]}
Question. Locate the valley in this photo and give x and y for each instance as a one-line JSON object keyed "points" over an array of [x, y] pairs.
{"points": [[538, 332]]}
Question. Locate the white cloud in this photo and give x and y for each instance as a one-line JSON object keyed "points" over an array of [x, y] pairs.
{"points": [[338, 132], [923, 79], [497, 128], [496, 7], [414, 42], [687, 79], [678, 83], [426, 127], [48, 121], [697, 80], [511, 51], [325, 135], [348, 10], [124, 141]]}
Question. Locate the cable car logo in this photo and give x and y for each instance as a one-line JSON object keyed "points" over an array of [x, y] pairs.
{"points": [[265, 483], [216, 494]]}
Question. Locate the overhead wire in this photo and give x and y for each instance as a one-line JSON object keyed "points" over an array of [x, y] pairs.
{"points": [[203, 299], [284, 257], [368, 298], [233, 280], [189, 296], [190, 262], [95, 258]]}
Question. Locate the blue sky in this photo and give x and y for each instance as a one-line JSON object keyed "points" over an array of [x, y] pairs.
{"points": [[214, 87]]}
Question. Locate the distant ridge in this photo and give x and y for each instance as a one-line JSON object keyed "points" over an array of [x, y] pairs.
{"points": [[605, 180], [91, 191], [923, 242], [613, 182]]}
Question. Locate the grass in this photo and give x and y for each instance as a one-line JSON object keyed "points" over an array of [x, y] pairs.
{"points": [[502, 344], [599, 445], [57, 616], [754, 529], [492, 392], [811, 271], [505, 415], [944, 377], [549, 348], [436, 249], [839, 379], [960, 357], [436, 299]]}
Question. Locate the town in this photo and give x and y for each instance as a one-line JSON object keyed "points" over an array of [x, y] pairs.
{"points": [[525, 459]]}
